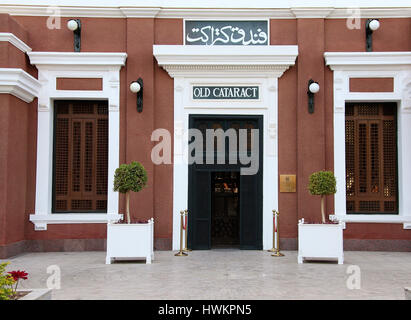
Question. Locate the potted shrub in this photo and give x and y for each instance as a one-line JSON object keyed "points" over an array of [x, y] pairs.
{"points": [[130, 240], [321, 240]]}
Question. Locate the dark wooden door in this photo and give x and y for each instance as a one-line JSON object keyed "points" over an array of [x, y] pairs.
{"points": [[202, 189], [250, 212], [199, 207]]}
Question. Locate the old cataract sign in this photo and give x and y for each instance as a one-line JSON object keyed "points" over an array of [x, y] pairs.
{"points": [[240, 33], [225, 93]]}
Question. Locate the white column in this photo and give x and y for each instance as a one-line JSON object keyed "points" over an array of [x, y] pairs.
{"points": [[44, 160], [270, 161], [404, 156], [180, 168], [340, 86], [112, 90]]}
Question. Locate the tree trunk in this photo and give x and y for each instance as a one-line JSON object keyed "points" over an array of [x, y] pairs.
{"points": [[322, 208], [128, 206]]}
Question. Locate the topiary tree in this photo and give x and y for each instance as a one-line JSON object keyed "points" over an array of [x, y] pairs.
{"points": [[322, 183], [130, 177]]}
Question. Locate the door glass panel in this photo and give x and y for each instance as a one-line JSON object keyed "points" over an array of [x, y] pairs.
{"points": [[225, 209]]}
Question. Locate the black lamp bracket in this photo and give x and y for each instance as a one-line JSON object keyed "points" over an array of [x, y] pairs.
{"points": [[368, 35], [310, 97], [140, 96], [77, 36]]}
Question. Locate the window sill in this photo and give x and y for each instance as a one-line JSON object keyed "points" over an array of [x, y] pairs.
{"points": [[365, 218], [41, 221]]}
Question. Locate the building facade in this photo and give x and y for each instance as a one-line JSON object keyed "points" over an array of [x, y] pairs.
{"points": [[69, 120]]}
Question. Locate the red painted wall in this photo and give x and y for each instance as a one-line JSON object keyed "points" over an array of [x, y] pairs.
{"points": [[14, 148], [393, 35], [167, 31], [305, 140], [13, 168], [371, 84]]}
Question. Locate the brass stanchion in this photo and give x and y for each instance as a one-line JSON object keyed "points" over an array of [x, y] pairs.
{"points": [[273, 249], [186, 249], [181, 253], [277, 253]]}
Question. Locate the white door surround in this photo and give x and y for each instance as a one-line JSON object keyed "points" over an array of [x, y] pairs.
{"points": [[52, 65], [396, 65], [226, 65]]}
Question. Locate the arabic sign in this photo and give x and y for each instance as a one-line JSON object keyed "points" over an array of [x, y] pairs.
{"points": [[240, 33], [226, 92]]}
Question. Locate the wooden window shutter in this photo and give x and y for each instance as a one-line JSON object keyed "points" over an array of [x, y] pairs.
{"points": [[371, 158], [80, 156]]}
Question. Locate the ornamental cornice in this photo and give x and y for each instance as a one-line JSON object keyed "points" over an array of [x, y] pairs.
{"points": [[196, 60], [19, 83]]}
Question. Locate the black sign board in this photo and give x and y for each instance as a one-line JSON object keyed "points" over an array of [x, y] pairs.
{"points": [[240, 33], [226, 93]]}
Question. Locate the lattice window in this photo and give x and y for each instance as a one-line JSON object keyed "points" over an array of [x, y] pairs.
{"points": [[61, 162], [80, 156], [102, 156], [371, 158], [350, 157]]}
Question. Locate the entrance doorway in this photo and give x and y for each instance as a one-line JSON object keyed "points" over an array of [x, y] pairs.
{"points": [[225, 206], [225, 209]]}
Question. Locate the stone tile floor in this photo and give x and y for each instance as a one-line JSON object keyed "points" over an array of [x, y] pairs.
{"points": [[218, 274]]}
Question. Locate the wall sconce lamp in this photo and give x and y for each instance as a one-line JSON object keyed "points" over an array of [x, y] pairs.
{"points": [[313, 87], [75, 26], [137, 87], [370, 26]]}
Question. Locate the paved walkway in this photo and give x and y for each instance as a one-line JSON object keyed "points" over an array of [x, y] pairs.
{"points": [[219, 274]]}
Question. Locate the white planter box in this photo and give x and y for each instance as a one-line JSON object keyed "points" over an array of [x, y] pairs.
{"points": [[320, 242], [36, 294], [130, 241]]}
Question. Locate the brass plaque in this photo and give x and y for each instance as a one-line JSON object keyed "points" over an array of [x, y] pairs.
{"points": [[288, 183]]}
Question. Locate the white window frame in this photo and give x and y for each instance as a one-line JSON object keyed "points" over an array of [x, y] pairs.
{"points": [[225, 65], [53, 65], [396, 65]]}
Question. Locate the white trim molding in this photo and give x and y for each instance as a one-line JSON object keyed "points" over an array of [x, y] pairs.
{"points": [[367, 61], [19, 83], [396, 65], [210, 9], [41, 221], [53, 65], [94, 60], [313, 12], [180, 61], [190, 66], [15, 41], [366, 218]]}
